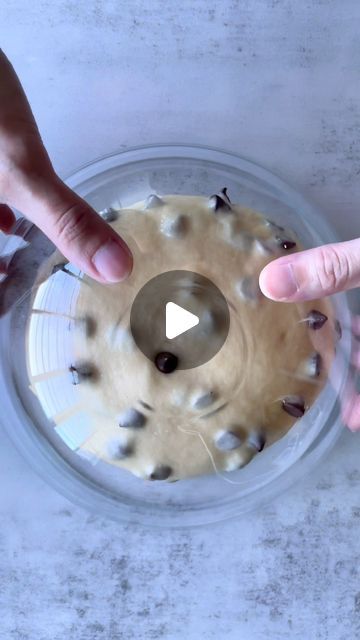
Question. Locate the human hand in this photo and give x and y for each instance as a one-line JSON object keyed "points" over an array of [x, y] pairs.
{"points": [[29, 183], [316, 273]]}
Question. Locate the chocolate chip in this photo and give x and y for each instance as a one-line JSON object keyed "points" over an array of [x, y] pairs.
{"points": [[316, 319], [82, 372], [125, 450], [313, 367], [166, 362], [257, 440], [175, 227], [285, 243], [227, 441], [146, 406], [294, 406], [109, 214], [132, 419], [161, 472], [218, 203], [225, 195], [120, 450], [153, 201], [204, 400], [338, 329], [87, 324]]}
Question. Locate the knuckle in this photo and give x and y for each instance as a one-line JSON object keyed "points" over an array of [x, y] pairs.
{"points": [[71, 224], [334, 269]]}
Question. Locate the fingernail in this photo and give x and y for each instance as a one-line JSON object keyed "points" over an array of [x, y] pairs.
{"points": [[277, 281], [113, 261]]}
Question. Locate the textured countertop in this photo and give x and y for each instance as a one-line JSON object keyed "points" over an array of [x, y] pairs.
{"points": [[277, 81]]}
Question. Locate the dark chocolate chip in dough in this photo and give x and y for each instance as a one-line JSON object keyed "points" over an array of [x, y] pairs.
{"points": [[316, 319], [87, 324], [109, 214], [153, 201], [161, 472], [314, 365], [120, 450], [166, 362], [175, 227], [227, 441], [132, 419], [285, 243], [218, 203], [294, 406], [90, 326], [338, 329], [125, 450], [204, 400], [225, 195], [146, 405], [83, 372], [257, 440]]}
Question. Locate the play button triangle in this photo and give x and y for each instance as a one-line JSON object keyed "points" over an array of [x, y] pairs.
{"points": [[178, 320]]}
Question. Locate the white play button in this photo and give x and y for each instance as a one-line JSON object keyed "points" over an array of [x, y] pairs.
{"points": [[158, 320], [178, 320]]}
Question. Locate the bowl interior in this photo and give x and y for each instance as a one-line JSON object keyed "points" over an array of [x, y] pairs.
{"points": [[120, 180]]}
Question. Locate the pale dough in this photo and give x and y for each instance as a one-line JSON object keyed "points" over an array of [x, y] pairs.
{"points": [[216, 416]]}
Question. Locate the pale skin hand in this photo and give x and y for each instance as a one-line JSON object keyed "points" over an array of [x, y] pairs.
{"points": [[29, 183], [316, 273]]}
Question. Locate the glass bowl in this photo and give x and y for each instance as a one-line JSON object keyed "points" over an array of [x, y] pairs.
{"points": [[120, 180]]}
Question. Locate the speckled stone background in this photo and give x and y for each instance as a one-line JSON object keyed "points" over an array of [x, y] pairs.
{"points": [[278, 81]]}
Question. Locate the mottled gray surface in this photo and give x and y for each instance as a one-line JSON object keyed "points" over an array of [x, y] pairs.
{"points": [[291, 571], [278, 81]]}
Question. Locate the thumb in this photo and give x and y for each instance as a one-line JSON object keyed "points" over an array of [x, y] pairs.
{"points": [[313, 273], [78, 231]]}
